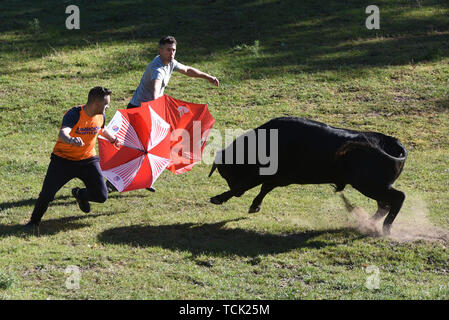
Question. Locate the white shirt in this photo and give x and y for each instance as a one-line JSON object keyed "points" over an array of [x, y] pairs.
{"points": [[155, 70]]}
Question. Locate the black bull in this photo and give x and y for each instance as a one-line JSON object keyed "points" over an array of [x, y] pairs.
{"points": [[310, 152]]}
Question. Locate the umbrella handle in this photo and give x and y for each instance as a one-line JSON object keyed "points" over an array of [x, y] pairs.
{"points": [[132, 147]]}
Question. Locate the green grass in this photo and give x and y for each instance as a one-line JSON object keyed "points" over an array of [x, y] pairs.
{"points": [[304, 58]]}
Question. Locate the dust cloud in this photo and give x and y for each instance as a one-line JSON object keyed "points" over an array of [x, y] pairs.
{"points": [[411, 224]]}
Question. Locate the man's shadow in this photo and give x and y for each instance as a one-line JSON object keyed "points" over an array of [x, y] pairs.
{"points": [[216, 239], [51, 226], [57, 200], [32, 201]]}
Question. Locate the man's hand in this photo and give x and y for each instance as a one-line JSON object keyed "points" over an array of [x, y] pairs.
{"points": [[214, 81], [76, 141], [117, 142], [64, 135]]}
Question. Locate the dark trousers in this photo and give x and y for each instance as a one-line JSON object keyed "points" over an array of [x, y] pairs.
{"points": [[60, 171], [131, 106]]}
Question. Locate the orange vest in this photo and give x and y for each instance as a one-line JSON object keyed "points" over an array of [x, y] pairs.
{"points": [[87, 128]]}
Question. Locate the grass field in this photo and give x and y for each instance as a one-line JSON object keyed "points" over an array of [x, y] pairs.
{"points": [[314, 59]]}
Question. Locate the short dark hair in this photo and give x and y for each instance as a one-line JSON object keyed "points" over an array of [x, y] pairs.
{"points": [[97, 93], [167, 39]]}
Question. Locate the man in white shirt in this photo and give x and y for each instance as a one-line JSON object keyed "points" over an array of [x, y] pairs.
{"points": [[156, 77], [158, 73]]}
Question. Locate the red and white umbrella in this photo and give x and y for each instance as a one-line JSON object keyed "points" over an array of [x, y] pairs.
{"points": [[145, 152], [190, 125]]}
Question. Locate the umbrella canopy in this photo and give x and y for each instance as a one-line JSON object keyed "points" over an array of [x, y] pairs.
{"points": [[145, 152], [190, 124]]}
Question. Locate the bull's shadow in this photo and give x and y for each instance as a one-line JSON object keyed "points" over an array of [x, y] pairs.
{"points": [[216, 239]]}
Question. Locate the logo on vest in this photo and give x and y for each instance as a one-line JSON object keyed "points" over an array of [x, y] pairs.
{"points": [[87, 130]]}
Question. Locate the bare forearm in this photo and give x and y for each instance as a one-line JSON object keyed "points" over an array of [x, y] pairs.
{"points": [[108, 135], [195, 73], [192, 72], [111, 137], [64, 135], [154, 88]]}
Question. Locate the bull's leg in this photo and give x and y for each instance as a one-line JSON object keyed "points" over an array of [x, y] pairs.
{"points": [[255, 206], [382, 211], [236, 191], [225, 196], [389, 197], [396, 198], [382, 208]]}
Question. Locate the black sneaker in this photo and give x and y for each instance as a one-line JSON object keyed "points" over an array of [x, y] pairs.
{"points": [[32, 227], [151, 189], [110, 186], [83, 204]]}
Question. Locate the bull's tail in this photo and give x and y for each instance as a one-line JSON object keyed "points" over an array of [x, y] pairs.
{"points": [[390, 147], [214, 166], [348, 147]]}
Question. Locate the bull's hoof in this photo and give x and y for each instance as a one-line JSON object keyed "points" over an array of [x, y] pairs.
{"points": [[254, 210], [215, 200]]}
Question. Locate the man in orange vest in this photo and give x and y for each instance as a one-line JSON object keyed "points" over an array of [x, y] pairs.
{"points": [[74, 155]]}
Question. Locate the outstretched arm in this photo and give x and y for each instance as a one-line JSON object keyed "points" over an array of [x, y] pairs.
{"points": [[195, 73]]}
